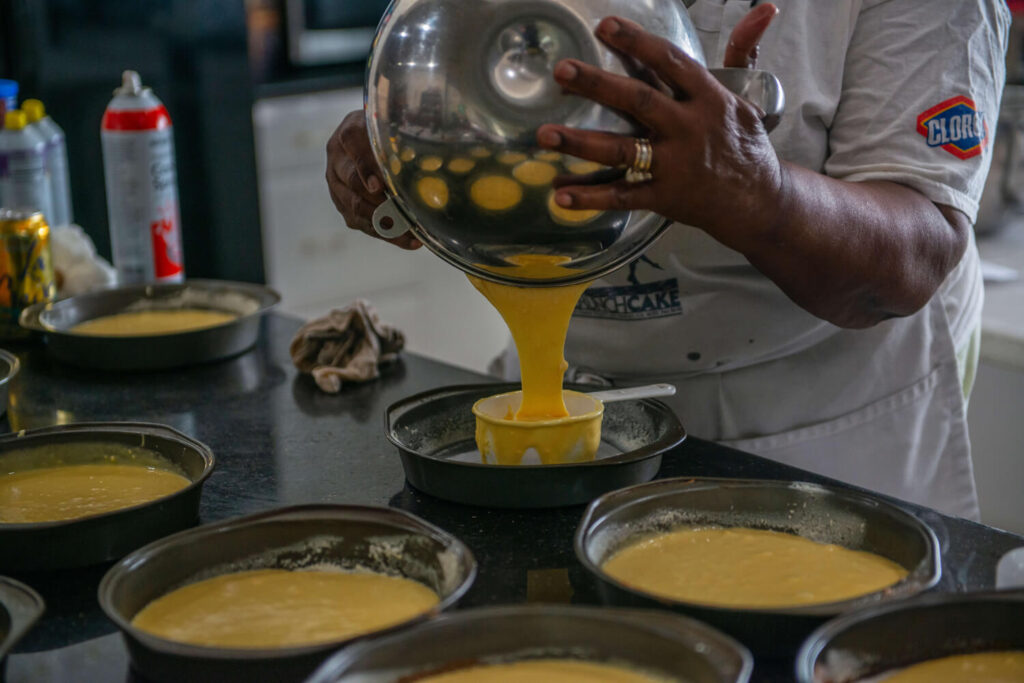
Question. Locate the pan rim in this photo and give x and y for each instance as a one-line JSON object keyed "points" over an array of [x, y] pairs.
{"points": [[266, 297], [675, 436], [133, 428], [932, 562], [167, 647]]}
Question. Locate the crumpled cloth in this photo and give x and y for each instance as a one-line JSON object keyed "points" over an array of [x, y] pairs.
{"points": [[76, 265], [347, 345]]}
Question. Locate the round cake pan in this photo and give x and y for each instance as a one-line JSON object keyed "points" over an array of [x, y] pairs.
{"points": [[435, 436], [659, 643], [152, 352], [883, 638], [379, 539], [845, 517], [20, 608], [9, 367], [104, 537]]}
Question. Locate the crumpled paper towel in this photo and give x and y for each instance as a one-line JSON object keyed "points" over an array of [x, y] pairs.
{"points": [[77, 266], [347, 345]]}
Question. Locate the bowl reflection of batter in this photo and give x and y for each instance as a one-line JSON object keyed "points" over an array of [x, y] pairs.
{"points": [[752, 568], [275, 608], [547, 670]]}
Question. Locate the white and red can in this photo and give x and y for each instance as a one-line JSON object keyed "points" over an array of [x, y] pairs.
{"points": [[142, 186]]}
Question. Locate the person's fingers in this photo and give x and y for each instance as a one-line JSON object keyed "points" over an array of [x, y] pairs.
{"points": [[355, 142], [673, 66], [618, 196], [650, 107], [743, 43], [605, 148], [358, 215]]}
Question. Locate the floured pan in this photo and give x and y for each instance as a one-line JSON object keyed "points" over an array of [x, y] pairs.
{"points": [[154, 351], [434, 434]]}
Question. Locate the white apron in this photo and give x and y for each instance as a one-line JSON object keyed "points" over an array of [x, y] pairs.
{"points": [[882, 408]]}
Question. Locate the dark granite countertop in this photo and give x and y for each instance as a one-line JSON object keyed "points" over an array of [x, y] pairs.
{"points": [[279, 441]]}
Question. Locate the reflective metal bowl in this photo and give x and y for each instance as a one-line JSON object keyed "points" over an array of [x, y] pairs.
{"points": [[472, 81], [664, 644]]}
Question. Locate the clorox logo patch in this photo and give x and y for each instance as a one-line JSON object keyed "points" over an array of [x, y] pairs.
{"points": [[956, 126]]}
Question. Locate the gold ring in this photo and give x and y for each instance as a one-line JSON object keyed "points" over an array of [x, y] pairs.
{"points": [[640, 171]]}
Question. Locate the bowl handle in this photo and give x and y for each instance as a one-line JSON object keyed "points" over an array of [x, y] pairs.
{"points": [[763, 89], [29, 318], [399, 223]]}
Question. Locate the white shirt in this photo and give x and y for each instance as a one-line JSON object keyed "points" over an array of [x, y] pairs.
{"points": [[900, 90]]}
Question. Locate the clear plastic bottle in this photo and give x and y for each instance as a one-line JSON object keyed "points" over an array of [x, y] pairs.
{"points": [[24, 182], [56, 160]]}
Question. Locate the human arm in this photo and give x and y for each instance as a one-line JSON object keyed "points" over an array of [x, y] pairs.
{"points": [[354, 179], [853, 253]]}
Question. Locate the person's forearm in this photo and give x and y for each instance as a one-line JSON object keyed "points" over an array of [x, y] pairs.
{"points": [[854, 254]]}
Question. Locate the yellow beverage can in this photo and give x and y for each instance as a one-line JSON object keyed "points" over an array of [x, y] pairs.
{"points": [[26, 267]]}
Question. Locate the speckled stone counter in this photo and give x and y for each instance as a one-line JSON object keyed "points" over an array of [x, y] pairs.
{"points": [[279, 441]]}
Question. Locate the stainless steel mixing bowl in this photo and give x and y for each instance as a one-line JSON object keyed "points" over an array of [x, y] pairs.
{"points": [[455, 93]]}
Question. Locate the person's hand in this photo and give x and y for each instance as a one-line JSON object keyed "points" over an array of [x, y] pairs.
{"points": [[713, 165], [355, 179]]}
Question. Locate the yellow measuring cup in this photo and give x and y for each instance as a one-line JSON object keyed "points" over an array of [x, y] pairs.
{"points": [[503, 440]]}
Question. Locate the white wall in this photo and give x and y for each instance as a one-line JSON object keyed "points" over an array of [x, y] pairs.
{"points": [[996, 419]]}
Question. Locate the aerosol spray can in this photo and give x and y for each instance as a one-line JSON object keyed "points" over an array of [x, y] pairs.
{"points": [[142, 185], [24, 179], [56, 160]]}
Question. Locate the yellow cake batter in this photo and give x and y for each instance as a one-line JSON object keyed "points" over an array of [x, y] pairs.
{"points": [[480, 152], [547, 670], [144, 323], [272, 608], [433, 191], [396, 166], [983, 667], [742, 567], [51, 494], [538, 318], [461, 165], [534, 173], [407, 155], [496, 193]]}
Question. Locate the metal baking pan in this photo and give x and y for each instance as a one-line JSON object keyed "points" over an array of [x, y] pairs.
{"points": [[101, 538], [20, 609], [821, 513], [9, 367], [659, 643], [340, 535], [247, 301], [892, 636], [434, 433]]}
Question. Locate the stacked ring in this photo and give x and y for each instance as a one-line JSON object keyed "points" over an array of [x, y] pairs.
{"points": [[640, 171]]}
